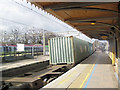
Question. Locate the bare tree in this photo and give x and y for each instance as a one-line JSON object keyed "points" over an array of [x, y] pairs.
{"points": [[28, 36]]}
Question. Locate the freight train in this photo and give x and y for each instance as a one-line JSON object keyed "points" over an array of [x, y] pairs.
{"points": [[69, 50]]}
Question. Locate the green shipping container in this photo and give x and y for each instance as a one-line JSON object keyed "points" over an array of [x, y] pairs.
{"points": [[67, 50]]}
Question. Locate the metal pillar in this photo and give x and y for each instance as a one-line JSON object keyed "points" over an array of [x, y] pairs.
{"points": [[118, 46], [33, 50], [43, 42], [112, 50], [118, 42]]}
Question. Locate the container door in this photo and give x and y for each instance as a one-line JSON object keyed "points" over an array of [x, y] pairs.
{"points": [[61, 50]]}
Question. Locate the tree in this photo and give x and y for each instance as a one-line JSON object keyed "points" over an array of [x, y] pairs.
{"points": [[26, 36]]}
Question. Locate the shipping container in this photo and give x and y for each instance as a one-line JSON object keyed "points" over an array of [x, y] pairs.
{"points": [[68, 50], [90, 48]]}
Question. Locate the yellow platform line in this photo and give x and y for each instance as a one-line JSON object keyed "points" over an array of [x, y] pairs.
{"points": [[88, 74]]}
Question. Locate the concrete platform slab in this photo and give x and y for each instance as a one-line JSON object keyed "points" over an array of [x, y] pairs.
{"points": [[94, 72], [19, 63]]}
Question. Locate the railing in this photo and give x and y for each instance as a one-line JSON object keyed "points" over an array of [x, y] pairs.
{"points": [[27, 54]]}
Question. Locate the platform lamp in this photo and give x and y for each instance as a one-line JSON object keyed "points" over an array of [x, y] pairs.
{"points": [[93, 22]]}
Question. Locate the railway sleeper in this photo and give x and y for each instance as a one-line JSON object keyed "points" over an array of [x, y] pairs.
{"points": [[34, 83]]}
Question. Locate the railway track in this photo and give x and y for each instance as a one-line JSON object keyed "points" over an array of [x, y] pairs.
{"points": [[32, 78], [70, 55]]}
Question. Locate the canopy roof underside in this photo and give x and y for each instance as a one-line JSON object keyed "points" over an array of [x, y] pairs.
{"points": [[95, 19]]}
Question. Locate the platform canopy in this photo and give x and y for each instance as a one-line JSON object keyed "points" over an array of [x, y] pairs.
{"points": [[95, 19]]}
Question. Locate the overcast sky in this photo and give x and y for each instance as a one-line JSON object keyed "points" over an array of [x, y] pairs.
{"points": [[23, 17]]}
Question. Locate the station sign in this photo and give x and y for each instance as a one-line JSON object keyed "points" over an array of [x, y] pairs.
{"points": [[20, 47]]}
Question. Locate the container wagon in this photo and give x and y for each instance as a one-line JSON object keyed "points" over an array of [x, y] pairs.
{"points": [[68, 50]]}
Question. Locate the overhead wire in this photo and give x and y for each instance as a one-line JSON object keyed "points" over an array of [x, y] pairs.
{"points": [[14, 21], [34, 12], [39, 13]]}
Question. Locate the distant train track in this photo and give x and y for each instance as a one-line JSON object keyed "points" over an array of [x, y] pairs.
{"points": [[39, 74]]}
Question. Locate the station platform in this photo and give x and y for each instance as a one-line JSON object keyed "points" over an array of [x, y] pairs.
{"points": [[21, 63], [94, 72]]}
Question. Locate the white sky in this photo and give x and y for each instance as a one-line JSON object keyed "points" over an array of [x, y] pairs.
{"points": [[15, 12]]}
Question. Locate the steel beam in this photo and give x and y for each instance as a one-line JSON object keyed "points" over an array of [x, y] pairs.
{"points": [[100, 32], [110, 34], [90, 26], [86, 8], [102, 23], [91, 22], [92, 30], [91, 19], [72, 4], [97, 35], [95, 30]]}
